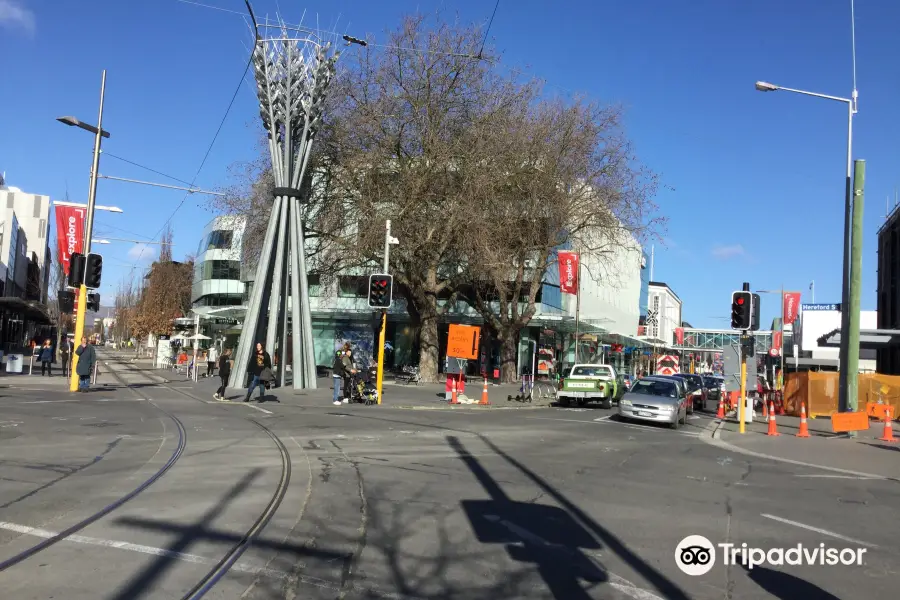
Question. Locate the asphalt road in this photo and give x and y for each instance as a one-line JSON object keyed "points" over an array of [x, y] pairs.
{"points": [[374, 502]]}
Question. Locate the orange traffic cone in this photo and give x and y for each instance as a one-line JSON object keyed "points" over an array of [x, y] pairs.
{"points": [[804, 427], [453, 397], [721, 413], [888, 435], [773, 430], [484, 393]]}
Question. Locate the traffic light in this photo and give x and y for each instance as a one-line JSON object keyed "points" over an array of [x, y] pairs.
{"points": [[748, 345], [76, 270], [754, 318], [93, 302], [741, 310], [66, 301], [380, 290], [93, 271]]}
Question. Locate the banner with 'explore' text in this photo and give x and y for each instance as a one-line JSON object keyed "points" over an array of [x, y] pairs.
{"points": [[69, 233], [568, 272]]}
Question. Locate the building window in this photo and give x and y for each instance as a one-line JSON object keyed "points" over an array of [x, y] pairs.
{"points": [[315, 284], [352, 286], [220, 300], [221, 269], [219, 239]]}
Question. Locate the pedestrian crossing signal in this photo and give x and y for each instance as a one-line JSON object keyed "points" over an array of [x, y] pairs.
{"points": [[380, 290]]}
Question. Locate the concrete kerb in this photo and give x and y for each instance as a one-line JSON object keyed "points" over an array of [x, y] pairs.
{"points": [[712, 435]]}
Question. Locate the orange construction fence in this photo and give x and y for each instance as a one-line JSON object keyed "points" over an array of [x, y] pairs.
{"points": [[820, 393]]}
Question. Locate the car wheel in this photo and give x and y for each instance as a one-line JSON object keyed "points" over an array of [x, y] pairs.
{"points": [[607, 403], [677, 422]]}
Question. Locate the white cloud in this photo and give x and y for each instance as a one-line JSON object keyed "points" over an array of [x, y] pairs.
{"points": [[16, 16], [140, 252], [725, 252]]}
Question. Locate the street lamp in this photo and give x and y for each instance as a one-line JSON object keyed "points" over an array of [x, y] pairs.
{"points": [[852, 109], [99, 133]]}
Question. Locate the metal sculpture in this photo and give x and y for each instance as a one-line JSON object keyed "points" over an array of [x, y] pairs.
{"points": [[293, 70]]}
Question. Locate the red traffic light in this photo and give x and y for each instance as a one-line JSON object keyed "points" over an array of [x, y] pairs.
{"points": [[740, 300]]}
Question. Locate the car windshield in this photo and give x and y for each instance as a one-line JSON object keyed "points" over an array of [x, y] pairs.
{"points": [[653, 387], [591, 371]]}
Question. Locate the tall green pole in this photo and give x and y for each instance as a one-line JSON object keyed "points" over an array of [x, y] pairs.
{"points": [[856, 242]]}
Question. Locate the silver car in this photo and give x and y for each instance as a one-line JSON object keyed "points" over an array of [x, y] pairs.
{"points": [[659, 399]]}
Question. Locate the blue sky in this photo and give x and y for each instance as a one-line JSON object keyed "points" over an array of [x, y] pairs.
{"points": [[754, 181]]}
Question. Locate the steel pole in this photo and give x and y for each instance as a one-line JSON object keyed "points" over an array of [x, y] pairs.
{"points": [[781, 348], [844, 364], [382, 334], [88, 229]]}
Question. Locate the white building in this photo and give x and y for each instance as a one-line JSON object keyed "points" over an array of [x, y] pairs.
{"points": [[664, 314], [816, 320], [32, 211], [611, 290]]}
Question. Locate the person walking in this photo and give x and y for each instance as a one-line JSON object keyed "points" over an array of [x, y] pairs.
{"points": [[224, 372], [87, 358], [259, 362], [337, 376], [45, 354], [65, 353], [211, 358], [349, 372]]}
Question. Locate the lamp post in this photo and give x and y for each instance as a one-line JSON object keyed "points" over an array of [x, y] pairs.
{"points": [[99, 133], [852, 108]]}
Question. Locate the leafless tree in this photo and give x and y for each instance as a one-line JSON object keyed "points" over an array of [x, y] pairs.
{"points": [[166, 294], [560, 175]]}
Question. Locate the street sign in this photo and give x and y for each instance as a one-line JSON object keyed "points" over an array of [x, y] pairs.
{"points": [[774, 352], [462, 341]]}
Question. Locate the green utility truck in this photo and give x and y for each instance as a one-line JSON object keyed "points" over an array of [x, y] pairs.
{"points": [[591, 383]]}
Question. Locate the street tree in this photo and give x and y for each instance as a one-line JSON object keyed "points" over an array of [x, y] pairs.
{"points": [[560, 175], [166, 294]]}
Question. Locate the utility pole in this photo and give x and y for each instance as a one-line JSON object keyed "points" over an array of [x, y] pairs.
{"points": [[88, 229], [379, 378], [744, 335], [856, 241]]}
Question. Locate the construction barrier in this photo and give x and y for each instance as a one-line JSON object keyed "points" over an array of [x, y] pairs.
{"points": [[819, 391]]}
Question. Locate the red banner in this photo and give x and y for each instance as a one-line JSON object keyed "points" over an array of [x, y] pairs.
{"points": [[69, 233], [776, 339], [568, 272], [679, 336], [791, 307]]}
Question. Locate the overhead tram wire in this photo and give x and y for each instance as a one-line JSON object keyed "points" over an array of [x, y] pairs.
{"points": [[488, 30], [131, 162], [218, 131]]}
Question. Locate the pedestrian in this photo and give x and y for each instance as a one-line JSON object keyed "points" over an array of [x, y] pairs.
{"points": [[349, 372], [211, 358], [46, 356], [259, 362], [87, 358], [65, 353], [224, 372], [337, 376]]}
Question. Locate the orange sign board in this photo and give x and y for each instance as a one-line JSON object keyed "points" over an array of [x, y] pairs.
{"points": [[462, 342], [853, 421]]}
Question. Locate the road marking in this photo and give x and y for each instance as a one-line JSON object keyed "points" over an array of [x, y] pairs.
{"points": [[46, 401], [601, 419], [566, 420], [818, 530], [840, 477]]}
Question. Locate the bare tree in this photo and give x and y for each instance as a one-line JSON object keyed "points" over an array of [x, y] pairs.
{"points": [[166, 294], [560, 176]]}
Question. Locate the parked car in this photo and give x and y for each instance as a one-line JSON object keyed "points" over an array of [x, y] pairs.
{"points": [[656, 398]]}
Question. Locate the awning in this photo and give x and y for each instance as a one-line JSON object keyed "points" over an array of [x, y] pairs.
{"points": [[29, 309], [868, 338]]}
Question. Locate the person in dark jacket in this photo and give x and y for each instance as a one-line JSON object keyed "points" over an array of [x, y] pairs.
{"points": [[259, 362], [224, 371], [65, 354], [337, 376], [349, 372], [45, 354], [87, 358]]}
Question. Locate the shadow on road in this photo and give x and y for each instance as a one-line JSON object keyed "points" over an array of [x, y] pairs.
{"points": [[786, 587]]}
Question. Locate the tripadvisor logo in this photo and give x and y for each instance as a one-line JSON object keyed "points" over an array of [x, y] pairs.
{"points": [[695, 555]]}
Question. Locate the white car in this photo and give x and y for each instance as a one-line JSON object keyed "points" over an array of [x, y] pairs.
{"points": [[658, 399]]}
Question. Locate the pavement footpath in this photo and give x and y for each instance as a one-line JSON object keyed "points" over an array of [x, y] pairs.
{"points": [[863, 456]]}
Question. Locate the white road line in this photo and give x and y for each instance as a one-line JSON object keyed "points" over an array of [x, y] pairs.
{"points": [[46, 401], [260, 409], [817, 530], [139, 548], [601, 419], [840, 477], [566, 420]]}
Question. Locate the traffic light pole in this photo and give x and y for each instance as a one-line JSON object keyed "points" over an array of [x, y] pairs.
{"points": [[88, 228], [742, 406], [379, 379]]}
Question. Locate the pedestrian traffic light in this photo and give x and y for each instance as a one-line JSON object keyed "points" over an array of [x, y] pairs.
{"points": [[66, 301], [741, 310], [380, 290], [754, 318], [748, 345], [93, 302], [93, 270], [76, 270]]}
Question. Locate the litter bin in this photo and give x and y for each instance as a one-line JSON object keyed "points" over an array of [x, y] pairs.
{"points": [[14, 363]]}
